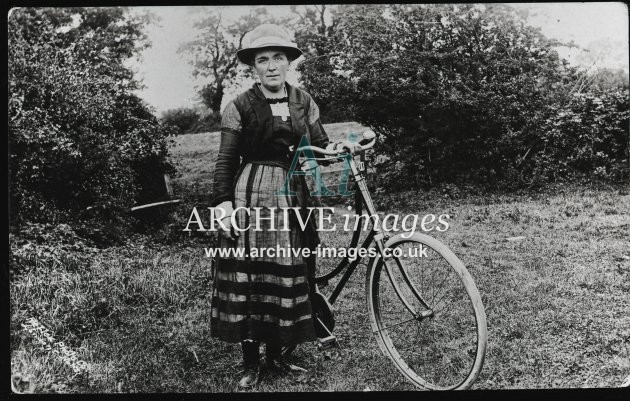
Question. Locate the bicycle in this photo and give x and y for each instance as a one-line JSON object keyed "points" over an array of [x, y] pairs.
{"points": [[448, 321]]}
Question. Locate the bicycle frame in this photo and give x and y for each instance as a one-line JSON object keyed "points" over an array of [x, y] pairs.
{"points": [[374, 275], [363, 198]]}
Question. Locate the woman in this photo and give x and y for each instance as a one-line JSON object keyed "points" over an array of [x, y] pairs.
{"points": [[264, 299]]}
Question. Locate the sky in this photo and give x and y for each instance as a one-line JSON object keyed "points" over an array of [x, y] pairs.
{"points": [[602, 27]]}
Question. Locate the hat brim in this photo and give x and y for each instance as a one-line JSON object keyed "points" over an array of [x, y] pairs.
{"points": [[246, 56]]}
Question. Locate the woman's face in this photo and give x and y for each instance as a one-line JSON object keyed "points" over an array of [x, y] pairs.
{"points": [[271, 67]]}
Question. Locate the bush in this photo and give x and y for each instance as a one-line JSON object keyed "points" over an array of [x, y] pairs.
{"points": [[208, 122], [604, 79], [190, 121], [78, 136], [458, 93], [183, 118], [589, 136]]}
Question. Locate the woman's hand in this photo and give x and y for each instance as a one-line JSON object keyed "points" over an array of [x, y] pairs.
{"points": [[351, 147], [229, 233]]}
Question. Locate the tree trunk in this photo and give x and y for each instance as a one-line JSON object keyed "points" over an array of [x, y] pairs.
{"points": [[217, 98], [212, 96]]}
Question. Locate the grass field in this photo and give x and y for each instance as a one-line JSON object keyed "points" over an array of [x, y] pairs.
{"points": [[557, 301]]}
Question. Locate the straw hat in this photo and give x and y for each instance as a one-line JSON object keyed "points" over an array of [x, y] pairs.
{"points": [[264, 36]]}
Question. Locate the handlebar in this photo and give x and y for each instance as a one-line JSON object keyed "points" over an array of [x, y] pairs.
{"points": [[368, 135]]}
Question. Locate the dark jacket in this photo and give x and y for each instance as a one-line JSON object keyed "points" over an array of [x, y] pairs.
{"points": [[250, 144]]}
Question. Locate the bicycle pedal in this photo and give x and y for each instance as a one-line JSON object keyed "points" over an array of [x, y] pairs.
{"points": [[327, 343], [426, 313]]}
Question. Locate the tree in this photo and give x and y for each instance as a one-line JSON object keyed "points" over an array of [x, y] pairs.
{"points": [[311, 29], [455, 91], [313, 35], [183, 118], [213, 52], [78, 136]]}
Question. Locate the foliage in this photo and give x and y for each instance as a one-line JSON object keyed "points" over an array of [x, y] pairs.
{"points": [[208, 122], [183, 118], [456, 92], [313, 37], [188, 120], [212, 53], [607, 78], [78, 136], [589, 135], [47, 246]]}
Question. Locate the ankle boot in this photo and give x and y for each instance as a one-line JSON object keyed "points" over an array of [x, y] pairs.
{"points": [[276, 361], [251, 360]]}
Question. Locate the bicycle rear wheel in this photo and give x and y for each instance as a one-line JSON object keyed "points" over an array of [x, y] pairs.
{"points": [[434, 326]]}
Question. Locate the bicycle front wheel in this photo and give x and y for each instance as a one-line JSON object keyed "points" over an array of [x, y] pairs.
{"points": [[426, 313]]}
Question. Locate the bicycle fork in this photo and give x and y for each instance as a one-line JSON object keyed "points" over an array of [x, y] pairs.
{"points": [[379, 239], [418, 314]]}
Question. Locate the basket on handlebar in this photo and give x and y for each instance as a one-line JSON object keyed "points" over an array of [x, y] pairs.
{"points": [[332, 175]]}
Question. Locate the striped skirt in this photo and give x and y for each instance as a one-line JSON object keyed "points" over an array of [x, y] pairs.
{"points": [[264, 298]]}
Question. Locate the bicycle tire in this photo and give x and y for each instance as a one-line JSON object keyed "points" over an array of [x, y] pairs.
{"points": [[453, 359]]}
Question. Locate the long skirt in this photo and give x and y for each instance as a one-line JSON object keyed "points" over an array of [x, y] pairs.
{"points": [[262, 297]]}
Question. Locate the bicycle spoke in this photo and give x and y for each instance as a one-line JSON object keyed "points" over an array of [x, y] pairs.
{"points": [[433, 286], [397, 324], [447, 307], [436, 303], [441, 284]]}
